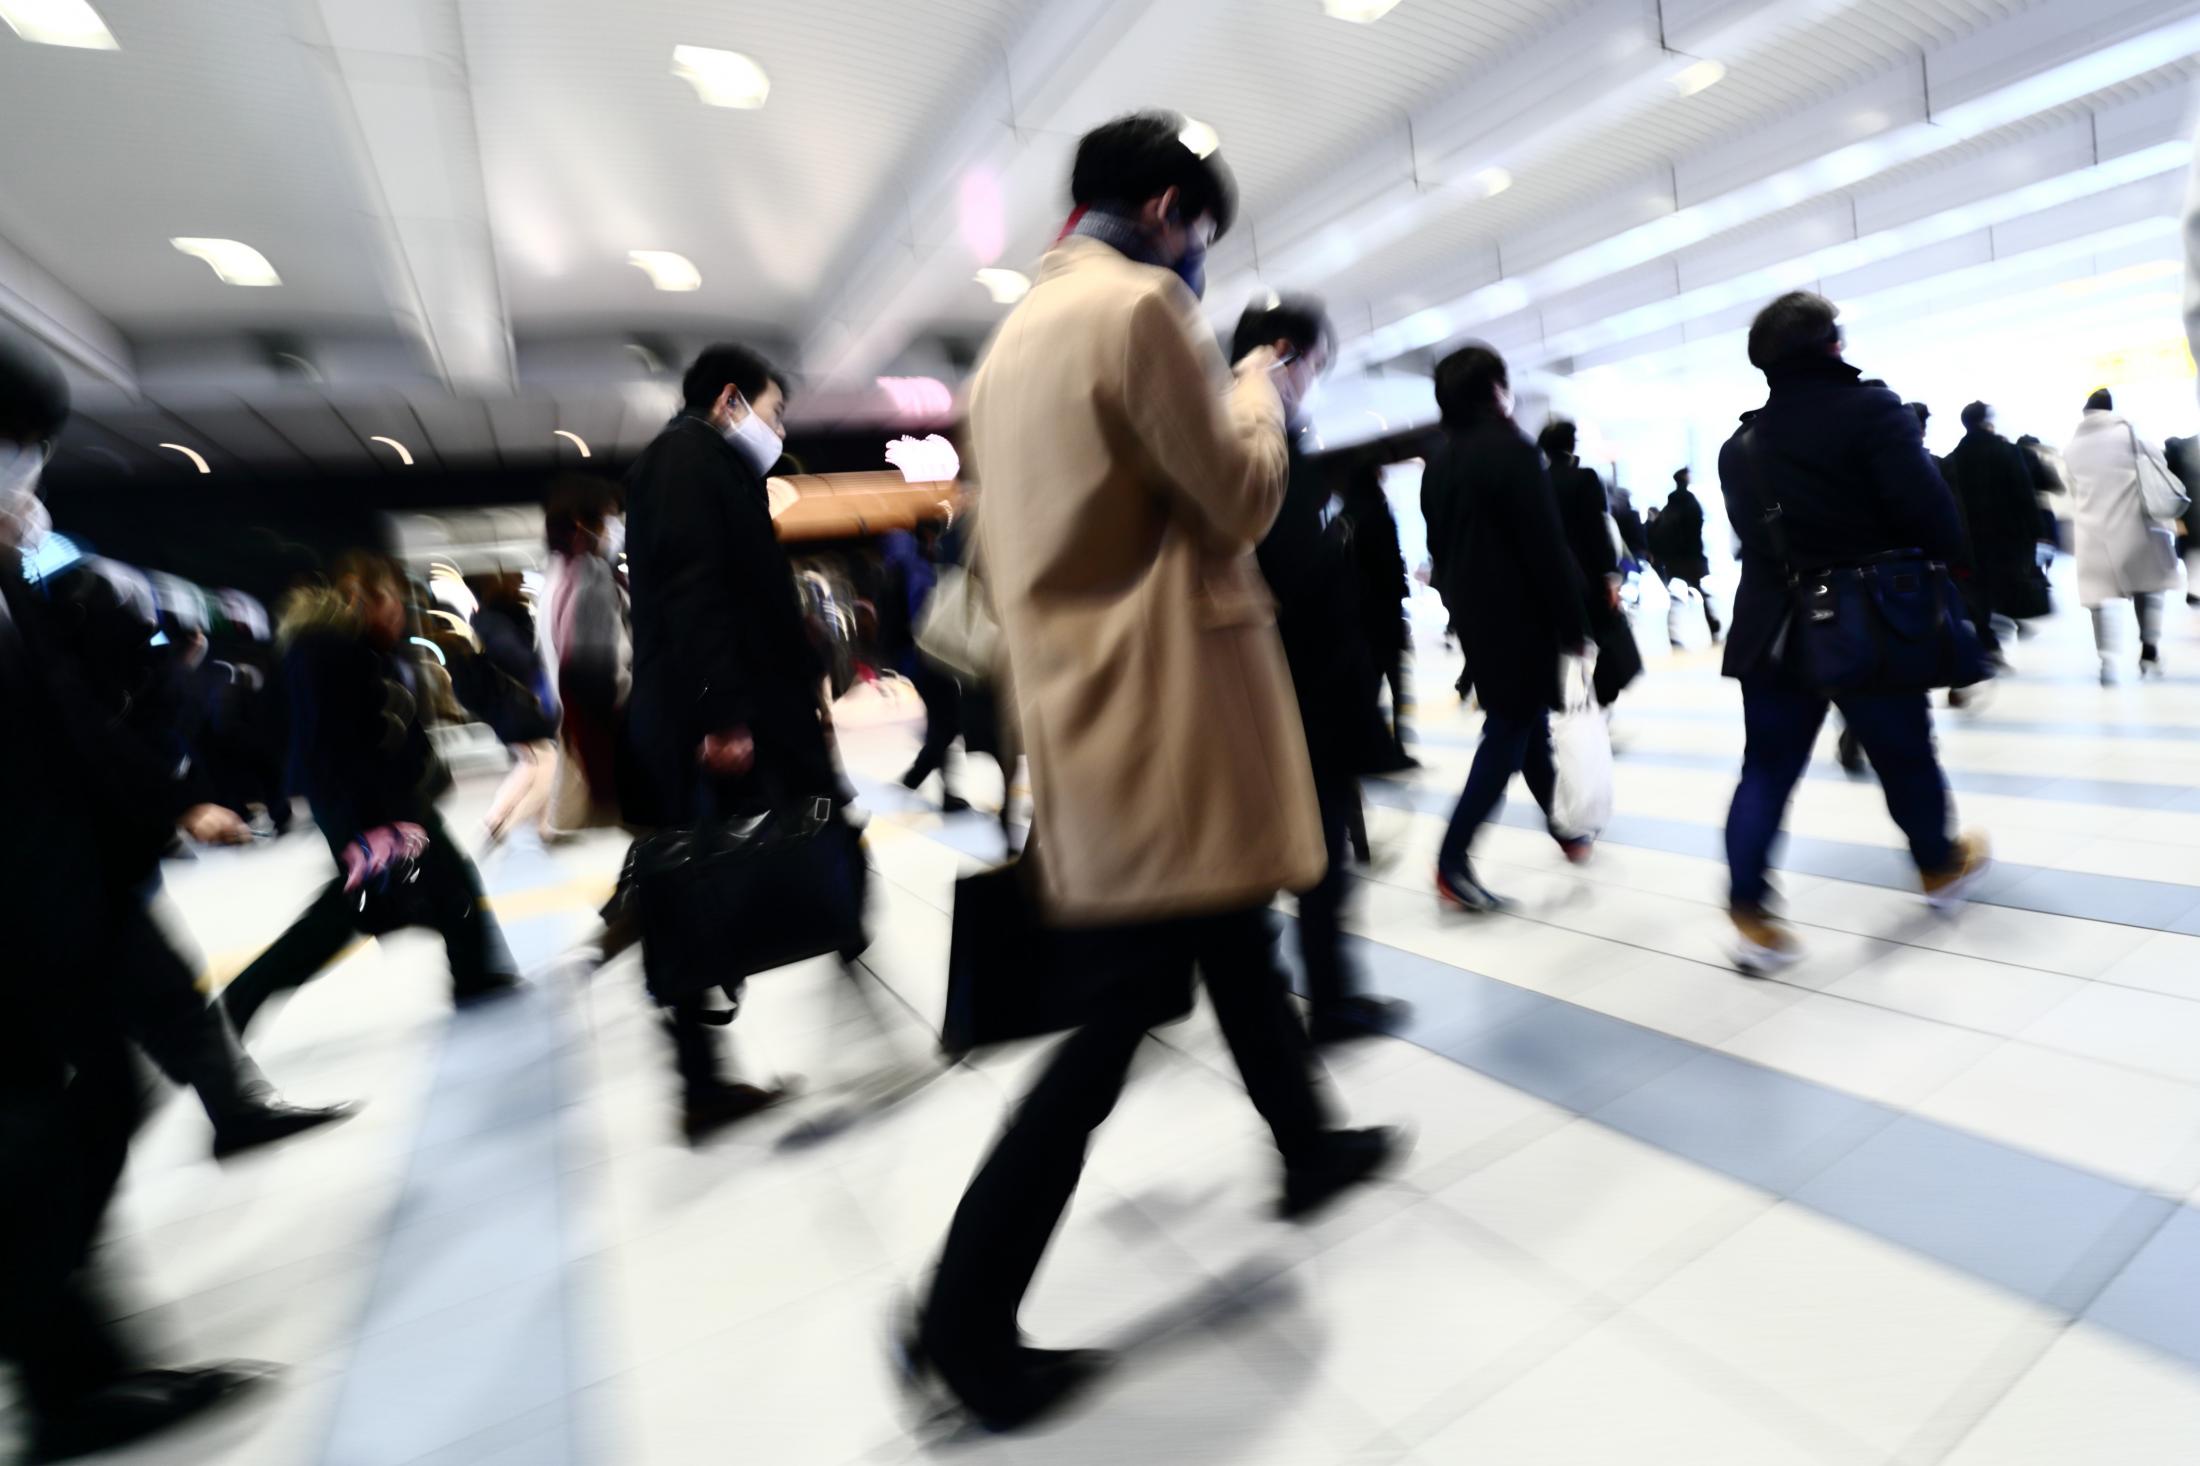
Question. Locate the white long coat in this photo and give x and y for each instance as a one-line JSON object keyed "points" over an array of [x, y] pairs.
{"points": [[2121, 551]]}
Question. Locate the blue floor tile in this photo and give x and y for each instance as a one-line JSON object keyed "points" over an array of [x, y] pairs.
{"points": [[1755, 1124], [2156, 1300], [1567, 1055]]}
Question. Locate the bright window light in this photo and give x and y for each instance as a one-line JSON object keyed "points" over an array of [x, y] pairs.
{"points": [[404, 454], [722, 78], [233, 263], [1359, 12], [576, 440], [198, 459], [1701, 77], [58, 23], [1199, 137], [1005, 286], [666, 270]]}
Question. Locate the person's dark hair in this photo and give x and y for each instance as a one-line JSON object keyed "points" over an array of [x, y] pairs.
{"points": [[1682, 476], [1558, 439], [1465, 383], [1975, 415], [34, 396], [724, 365], [370, 568], [2028, 441], [1140, 157], [578, 502], [2100, 400], [1799, 323], [1298, 319]]}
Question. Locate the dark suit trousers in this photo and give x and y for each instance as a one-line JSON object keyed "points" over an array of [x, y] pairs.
{"points": [[1321, 909], [1006, 1218], [187, 1036]]}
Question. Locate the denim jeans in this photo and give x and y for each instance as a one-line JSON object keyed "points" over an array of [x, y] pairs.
{"points": [[1781, 722], [1510, 745]]}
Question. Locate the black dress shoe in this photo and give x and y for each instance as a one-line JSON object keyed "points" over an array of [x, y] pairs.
{"points": [[1017, 1389], [266, 1124], [1358, 1017], [953, 803], [140, 1405], [707, 1112], [1346, 1159], [487, 990]]}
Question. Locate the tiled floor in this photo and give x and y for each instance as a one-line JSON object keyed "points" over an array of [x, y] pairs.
{"points": [[1933, 1197]]}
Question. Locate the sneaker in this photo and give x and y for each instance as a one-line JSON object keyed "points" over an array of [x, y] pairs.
{"points": [[1461, 891], [1945, 890], [1762, 944]]}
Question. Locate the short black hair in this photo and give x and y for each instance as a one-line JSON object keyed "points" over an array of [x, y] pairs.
{"points": [[724, 365], [1142, 156], [1975, 414], [2101, 400], [34, 396], [1299, 319], [1798, 323], [1683, 474], [1465, 381], [1558, 438]]}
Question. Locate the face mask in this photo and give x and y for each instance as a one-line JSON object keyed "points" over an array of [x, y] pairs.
{"points": [[757, 442], [613, 542], [23, 521]]}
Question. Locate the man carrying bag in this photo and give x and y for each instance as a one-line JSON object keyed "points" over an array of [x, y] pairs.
{"points": [[1846, 530]]}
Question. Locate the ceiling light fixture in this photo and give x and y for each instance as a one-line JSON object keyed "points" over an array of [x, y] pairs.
{"points": [[1701, 77], [722, 78], [1005, 286], [666, 270], [1197, 136], [58, 23], [1358, 12], [575, 439], [1491, 182], [198, 459], [233, 262], [404, 454]]}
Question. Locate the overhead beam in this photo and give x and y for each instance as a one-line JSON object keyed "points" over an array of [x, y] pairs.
{"points": [[49, 312]]}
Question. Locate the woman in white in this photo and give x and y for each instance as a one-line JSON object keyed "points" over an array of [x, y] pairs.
{"points": [[2123, 551]]}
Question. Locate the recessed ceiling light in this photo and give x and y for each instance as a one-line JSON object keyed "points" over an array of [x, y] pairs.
{"points": [[1700, 77], [404, 454], [233, 263], [198, 459], [666, 270], [1359, 12], [1005, 286], [576, 440], [1491, 182], [1199, 137], [721, 78], [58, 23]]}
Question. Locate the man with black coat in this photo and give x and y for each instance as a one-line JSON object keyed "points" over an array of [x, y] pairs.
{"points": [[89, 809], [1501, 561], [1307, 561], [1993, 489], [1583, 508], [726, 712], [1676, 543], [1845, 463]]}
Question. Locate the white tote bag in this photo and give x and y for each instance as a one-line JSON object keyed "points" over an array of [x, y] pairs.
{"points": [[1581, 752], [957, 631]]}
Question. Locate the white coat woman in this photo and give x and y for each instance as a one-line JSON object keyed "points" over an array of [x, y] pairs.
{"points": [[2123, 553]]}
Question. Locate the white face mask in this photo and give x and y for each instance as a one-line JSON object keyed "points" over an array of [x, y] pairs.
{"points": [[758, 443], [613, 542], [23, 521]]}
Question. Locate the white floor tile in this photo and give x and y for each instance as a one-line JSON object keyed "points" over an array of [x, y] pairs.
{"points": [[2093, 1400]]}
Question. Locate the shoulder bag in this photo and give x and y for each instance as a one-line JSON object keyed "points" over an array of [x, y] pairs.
{"points": [[2163, 496]]}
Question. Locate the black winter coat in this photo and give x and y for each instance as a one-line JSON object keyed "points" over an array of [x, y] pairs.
{"points": [[1847, 463], [1309, 569], [1993, 489], [1380, 564], [720, 640], [359, 752], [1582, 507], [1501, 562], [1676, 540]]}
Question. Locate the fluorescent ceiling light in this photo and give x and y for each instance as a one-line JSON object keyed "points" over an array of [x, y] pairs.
{"points": [[1199, 137], [1005, 286], [1490, 182], [666, 270], [721, 78], [576, 440], [58, 23], [198, 459], [233, 263], [1359, 12], [1701, 77], [404, 454]]}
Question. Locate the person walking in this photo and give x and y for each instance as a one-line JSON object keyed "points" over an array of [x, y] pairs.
{"points": [[1584, 510], [911, 561], [2123, 552], [1512, 585], [1841, 464], [1127, 479], [1379, 567], [1676, 544], [1993, 488]]}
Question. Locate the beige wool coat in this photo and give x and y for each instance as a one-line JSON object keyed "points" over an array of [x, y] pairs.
{"points": [[1126, 482]]}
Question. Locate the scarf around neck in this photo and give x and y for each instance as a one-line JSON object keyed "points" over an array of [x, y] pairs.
{"points": [[1122, 234]]}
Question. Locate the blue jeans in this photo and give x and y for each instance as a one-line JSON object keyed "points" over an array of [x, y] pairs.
{"points": [[1782, 721], [1510, 745]]}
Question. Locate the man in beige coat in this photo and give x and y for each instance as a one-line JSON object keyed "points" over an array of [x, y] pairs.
{"points": [[1127, 479]]}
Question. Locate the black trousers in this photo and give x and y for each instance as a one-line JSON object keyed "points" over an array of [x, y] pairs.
{"points": [[172, 1021], [449, 888], [1016, 1200], [942, 696], [1321, 909]]}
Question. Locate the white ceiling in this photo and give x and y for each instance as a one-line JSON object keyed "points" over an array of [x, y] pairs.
{"points": [[449, 188]]}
